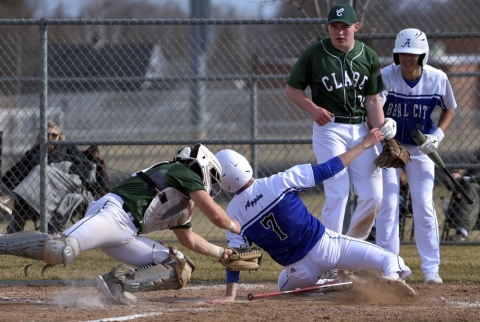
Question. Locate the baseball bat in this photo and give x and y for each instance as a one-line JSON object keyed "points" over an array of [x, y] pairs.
{"points": [[326, 287], [418, 137]]}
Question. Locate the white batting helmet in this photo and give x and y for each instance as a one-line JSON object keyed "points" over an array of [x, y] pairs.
{"points": [[235, 169], [202, 161], [411, 41]]}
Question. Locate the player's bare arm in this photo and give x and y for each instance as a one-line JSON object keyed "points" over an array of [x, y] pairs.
{"points": [[320, 115], [214, 212], [374, 108], [369, 140], [446, 117], [191, 240]]}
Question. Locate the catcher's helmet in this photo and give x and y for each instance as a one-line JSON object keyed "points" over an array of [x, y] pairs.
{"points": [[235, 168], [411, 41], [202, 161]]}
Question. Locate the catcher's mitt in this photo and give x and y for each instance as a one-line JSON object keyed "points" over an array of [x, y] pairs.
{"points": [[394, 155], [243, 259]]}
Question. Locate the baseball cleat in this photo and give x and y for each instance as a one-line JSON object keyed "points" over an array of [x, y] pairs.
{"points": [[112, 289], [432, 278], [331, 274], [396, 286]]}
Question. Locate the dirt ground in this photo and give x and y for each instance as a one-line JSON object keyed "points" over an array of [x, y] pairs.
{"points": [[81, 302]]}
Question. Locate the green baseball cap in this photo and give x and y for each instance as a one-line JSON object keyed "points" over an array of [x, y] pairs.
{"points": [[343, 13]]}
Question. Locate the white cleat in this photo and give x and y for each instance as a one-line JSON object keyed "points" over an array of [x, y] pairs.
{"points": [[432, 278]]}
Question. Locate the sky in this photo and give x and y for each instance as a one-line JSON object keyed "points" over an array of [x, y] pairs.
{"points": [[244, 8]]}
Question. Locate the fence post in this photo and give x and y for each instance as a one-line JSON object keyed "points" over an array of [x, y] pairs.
{"points": [[253, 86], [43, 75], [199, 44]]}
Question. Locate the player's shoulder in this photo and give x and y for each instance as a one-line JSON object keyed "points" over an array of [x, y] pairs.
{"points": [[390, 71], [179, 171], [389, 68], [430, 70], [359, 45]]}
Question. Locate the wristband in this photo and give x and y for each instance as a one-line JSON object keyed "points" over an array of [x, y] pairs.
{"points": [[216, 251], [232, 226], [439, 133]]}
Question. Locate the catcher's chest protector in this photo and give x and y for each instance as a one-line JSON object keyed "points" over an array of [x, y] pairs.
{"points": [[170, 208]]}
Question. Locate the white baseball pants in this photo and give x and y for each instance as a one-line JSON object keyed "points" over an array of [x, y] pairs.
{"points": [[334, 250], [329, 141], [108, 227]]}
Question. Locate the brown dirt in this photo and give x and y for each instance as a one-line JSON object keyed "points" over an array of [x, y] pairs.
{"points": [[53, 302]]}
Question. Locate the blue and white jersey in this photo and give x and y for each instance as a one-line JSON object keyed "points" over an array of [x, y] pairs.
{"points": [[275, 218], [412, 107]]}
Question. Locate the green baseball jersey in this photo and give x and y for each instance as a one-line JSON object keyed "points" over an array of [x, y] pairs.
{"points": [[338, 81], [137, 196]]}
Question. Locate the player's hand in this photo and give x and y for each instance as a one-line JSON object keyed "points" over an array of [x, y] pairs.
{"points": [[430, 144], [225, 299], [321, 116], [227, 252], [372, 138], [389, 128]]}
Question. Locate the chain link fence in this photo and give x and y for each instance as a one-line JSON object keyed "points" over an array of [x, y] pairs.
{"points": [[141, 89]]}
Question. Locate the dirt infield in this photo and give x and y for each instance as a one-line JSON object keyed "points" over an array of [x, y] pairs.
{"points": [[49, 302]]}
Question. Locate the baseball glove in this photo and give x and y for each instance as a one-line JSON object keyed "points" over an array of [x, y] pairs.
{"points": [[394, 155], [243, 259]]}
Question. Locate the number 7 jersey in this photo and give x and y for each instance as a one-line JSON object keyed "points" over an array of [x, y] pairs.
{"points": [[275, 218]]}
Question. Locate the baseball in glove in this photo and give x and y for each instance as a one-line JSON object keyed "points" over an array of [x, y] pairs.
{"points": [[394, 155], [243, 259]]}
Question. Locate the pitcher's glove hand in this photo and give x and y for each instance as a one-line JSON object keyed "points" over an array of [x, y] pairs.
{"points": [[243, 259], [394, 155]]}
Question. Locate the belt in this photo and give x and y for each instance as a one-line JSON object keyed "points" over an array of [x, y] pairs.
{"points": [[129, 213], [349, 120]]}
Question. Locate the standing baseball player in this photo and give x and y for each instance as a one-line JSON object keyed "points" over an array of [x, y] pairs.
{"points": [[158, 198], [344, 76], [413, 90], [274, 217]]}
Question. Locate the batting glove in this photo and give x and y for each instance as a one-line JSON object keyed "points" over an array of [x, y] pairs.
{"points": [[389, 129], [432, 141]]}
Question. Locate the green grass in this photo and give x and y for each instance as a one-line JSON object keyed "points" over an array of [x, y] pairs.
{"points": [[458, 264]]}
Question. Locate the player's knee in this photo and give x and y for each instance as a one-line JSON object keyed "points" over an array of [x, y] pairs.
{"points": [[370, 200], [52, 249], [61, 249]]}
